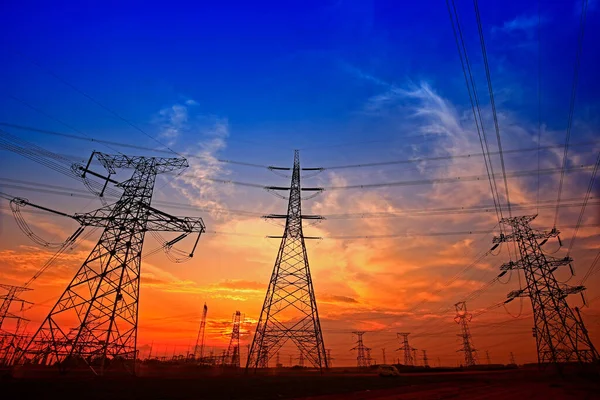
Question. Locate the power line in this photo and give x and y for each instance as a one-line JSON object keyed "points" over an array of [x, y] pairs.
{"points": [[474, 96], [92, 99], [572, 102], [492, 101]]}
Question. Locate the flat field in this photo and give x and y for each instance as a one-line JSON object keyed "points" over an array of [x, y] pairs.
{"points": [[526, 384]]}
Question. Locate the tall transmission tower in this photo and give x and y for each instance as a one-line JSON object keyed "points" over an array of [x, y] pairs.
{"points": [[369, 359], [329, 359], [290, 311], [384, 360], [233, 351], [463, 317], [103, 296], [512, 358], [301, 359], [414, 356], [199, 347], [361, 354], [12, 295], [11, 340], [487, 357], [560, 334], [408, 360], [425, 359]]}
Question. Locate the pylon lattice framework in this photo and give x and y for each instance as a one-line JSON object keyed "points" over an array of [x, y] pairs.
{"points": [[233, 351], [289, 311], [96, 318], [408, 360], [560, 335], [199, 346], [463, 317], [361, 350], [11, 342]]}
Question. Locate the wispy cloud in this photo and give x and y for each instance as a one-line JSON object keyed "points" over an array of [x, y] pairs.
{"points": [[521, 25]]}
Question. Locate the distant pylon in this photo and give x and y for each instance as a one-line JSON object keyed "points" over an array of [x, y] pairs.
{"points": [[369, 359], [384, 360], [408, 360], [329, 359], [291, 360], [414, 356], [199, 347], [512, 358], [425, 359], [361, 356], [463, 317], [95, 320], [277, 360], [301, 359], [233, 351], [559, 334], [487, 357], [11, 342], [289, 311]]}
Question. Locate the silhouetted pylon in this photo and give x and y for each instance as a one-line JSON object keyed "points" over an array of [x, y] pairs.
{"points": [[199, 347], [463, 317], [425, 359], [560, 335], [233, 351], [95, 320], [289, 311], [408, 360], [361, 354]]}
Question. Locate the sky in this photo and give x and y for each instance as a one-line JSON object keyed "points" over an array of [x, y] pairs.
{"points": [[345, 83]]}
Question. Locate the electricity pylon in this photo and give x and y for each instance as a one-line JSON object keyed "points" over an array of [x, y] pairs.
{"points": [[512, 358], [408, 360], [487, 357], [414, 356], [95, 320], [199, 347], [425, 359], [233, 351], [560, 334], [11, 341], [329, 359], [361, 356], [463, 317], [289, 311], [12, 296], [384, 360]]}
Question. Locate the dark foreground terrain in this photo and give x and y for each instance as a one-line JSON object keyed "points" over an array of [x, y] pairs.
{"points": [[506, 384]]}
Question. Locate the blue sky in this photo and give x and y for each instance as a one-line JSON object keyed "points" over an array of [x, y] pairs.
{"points": [[346, 82]]}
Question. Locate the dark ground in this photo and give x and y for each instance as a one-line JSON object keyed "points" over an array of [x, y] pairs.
{"points": [[507, 384]]}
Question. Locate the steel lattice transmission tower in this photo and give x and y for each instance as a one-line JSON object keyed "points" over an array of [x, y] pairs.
{"points": [[289, 311], [425, 359], [463, 317], [560, 334], [199, 347], [233, 351], [414, 356], [408, 360], [361, 350], [11, 341], [95, 320]]}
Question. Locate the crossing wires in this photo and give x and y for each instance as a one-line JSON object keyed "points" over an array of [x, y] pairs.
{"points": [[572, 104]]}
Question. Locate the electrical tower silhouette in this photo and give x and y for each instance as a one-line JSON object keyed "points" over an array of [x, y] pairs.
{"points": [[425, 359], [361, 356], [369, 359], [289, 311], [384, 360], [199, 347], [408, 360], [560, 335], [103, 296], [414, 356], [233, 351], [487, 357], [11, 341], [329, 359], [512, 358], [463, 317]]}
